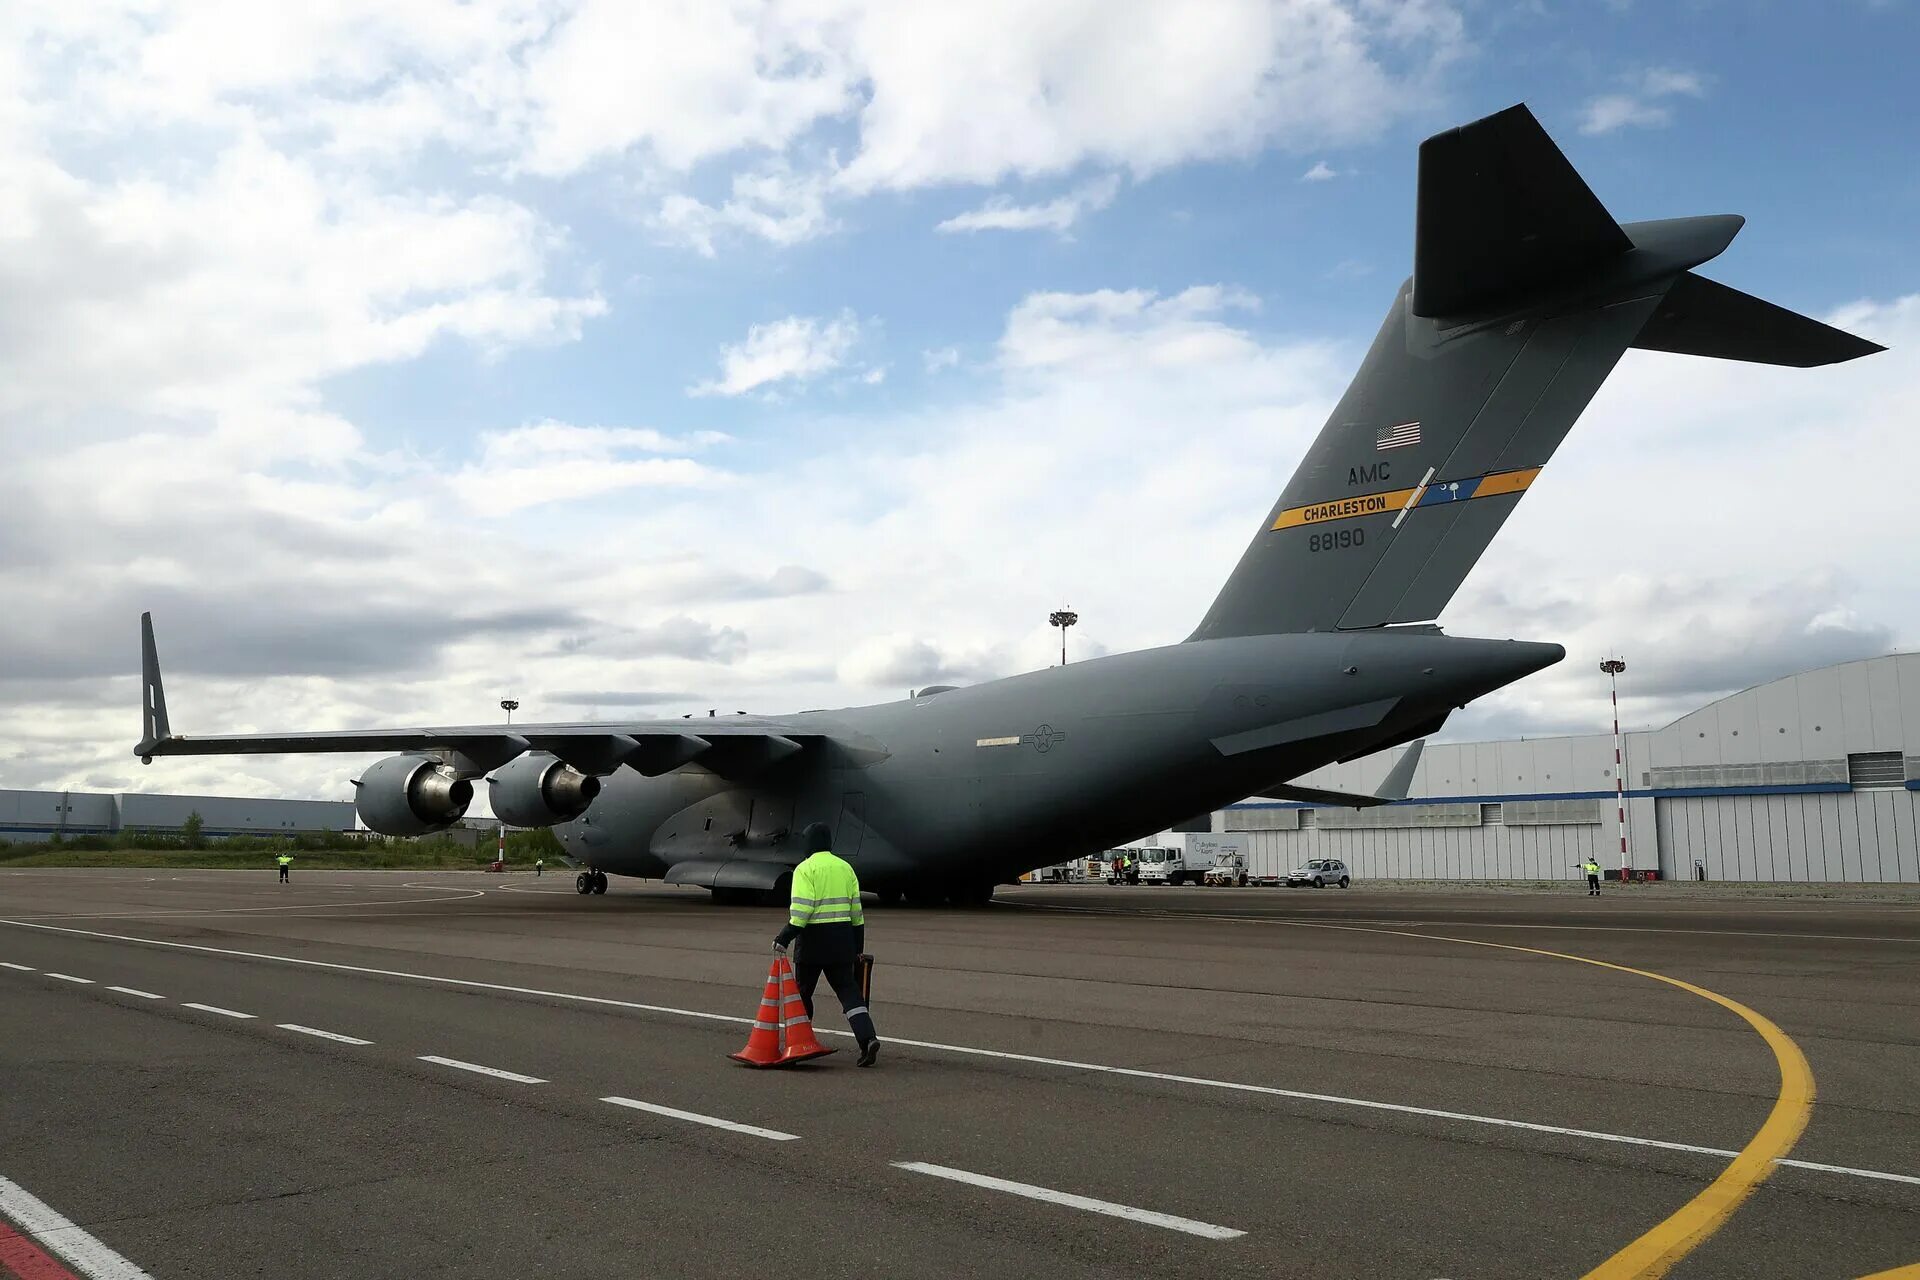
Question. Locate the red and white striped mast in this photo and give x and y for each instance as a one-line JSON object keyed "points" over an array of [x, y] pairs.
{"points": [[1613, 667]]}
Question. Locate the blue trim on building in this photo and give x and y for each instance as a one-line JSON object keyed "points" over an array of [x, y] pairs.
{"points": [[1913, 784], [1797, 788]]}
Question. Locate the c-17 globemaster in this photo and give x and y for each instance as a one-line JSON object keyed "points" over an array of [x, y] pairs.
{"points": [[1320, 647]]}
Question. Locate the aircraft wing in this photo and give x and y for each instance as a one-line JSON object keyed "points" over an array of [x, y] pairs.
{"points": [[1398, 782], [729, 745]]}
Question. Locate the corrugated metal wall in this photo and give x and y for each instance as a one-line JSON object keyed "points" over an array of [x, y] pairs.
{"points": [[1850, 836], [1805, 778]]}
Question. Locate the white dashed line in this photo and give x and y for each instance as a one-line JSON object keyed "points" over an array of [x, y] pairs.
{"points": [[135, 991], [214, 1008], [23, 968], [1108, 1207], [324, 1035], [67, 977], [1066, 1064], [53, 1232], [695, 1117], [495, 1072]]}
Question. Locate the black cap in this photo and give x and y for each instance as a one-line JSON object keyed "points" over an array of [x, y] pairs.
{"points": [[819, 837]]}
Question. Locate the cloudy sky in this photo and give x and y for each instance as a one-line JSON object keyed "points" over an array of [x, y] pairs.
{"points": [[631, 359]]}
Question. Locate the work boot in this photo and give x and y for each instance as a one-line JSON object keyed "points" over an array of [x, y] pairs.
{"points": [[869, 1053]]}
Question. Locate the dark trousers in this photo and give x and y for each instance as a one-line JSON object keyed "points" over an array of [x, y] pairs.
{"points": [[1593, 885], [283, 875], [844, 977]]}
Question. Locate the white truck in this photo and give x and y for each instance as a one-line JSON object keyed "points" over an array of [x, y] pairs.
{"points": [[1185, 857]]}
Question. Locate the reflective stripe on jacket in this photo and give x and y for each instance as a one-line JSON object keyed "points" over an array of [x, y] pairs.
{"points": [[825, 891]]}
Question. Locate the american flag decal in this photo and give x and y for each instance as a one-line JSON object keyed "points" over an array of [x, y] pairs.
{"points": [[1398, 437]]}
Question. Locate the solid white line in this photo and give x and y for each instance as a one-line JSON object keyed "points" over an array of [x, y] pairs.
{"points": [[1112, 1210], [67, 977], [755, 1131], [23, 968], [135, 991], [496, 1072], [324, 1035], [214, 1008], [969, 1050], [56, 1234]]}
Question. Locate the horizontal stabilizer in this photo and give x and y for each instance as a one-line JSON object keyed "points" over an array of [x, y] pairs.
{"points": [[1701, 318], [1502, 213], [1396, 785]]}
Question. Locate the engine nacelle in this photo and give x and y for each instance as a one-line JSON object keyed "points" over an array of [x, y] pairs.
{"points": [[410, 796], [536, 790]]}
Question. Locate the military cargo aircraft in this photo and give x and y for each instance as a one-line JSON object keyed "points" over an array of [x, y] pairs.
{"points": [[1321, 645]]}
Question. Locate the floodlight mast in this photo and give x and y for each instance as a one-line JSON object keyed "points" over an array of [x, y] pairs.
{"points": [[1613, 667], [509, 705], [1062, 618]]}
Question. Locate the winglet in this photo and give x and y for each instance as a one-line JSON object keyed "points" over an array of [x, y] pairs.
{"points": [[154, 728], [1399, 779]]}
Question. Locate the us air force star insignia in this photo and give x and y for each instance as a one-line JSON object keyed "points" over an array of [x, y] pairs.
{"points": [[1045, 738]]}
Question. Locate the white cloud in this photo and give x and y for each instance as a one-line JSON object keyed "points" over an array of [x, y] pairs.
{"points": [[796, 349], [792, 104], [1134, 327], [774, 203], [1001, 214], [1643, 104], [1321, 172], [556, 461], [937, 358]]}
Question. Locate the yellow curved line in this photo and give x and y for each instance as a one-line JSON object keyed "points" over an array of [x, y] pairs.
{"points": [[1684, 1229], [1909, 1272]]}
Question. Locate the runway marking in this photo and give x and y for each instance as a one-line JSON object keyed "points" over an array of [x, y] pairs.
{"points": [[67, 977], [1909, 1272], [1069, 1064], [458, 895], [495, 1072], [1152, 914], [1655, 1252], [214, 1008], [695, 1117], [135, 991], [52, 1231], [324, 1035], [23, 968], [1108, 1207]]}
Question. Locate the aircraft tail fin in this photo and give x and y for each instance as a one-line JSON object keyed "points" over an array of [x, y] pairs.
{"points": [[1525, 294], [1394, 787], [154, 727]]}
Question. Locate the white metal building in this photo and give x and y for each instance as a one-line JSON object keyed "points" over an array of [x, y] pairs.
{"points": [[28, 817], [1814, 777]]}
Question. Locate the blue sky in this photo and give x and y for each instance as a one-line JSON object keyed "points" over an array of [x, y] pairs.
{"points": [[401, 354]]}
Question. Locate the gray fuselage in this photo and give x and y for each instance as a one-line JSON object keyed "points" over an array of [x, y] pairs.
{"points": [[971, 786]]}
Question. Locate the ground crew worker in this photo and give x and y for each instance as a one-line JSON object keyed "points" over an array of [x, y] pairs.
{"points": [[285, 860], [1592, 869], [826, 917], [539, 867]]}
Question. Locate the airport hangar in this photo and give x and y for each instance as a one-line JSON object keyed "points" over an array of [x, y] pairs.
{"points": [[34, 817], [1812, 777]]}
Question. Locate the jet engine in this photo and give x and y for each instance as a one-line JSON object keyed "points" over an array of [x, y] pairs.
{"points": [[536, 790], [411, 795]]}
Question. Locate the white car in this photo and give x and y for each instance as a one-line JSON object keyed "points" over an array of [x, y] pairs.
{"points": [[1320, 872], [1228, 868]]}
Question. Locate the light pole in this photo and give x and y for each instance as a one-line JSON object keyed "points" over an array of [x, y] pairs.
{"points": [[1613, 667], [509, 705], [1063, 618]]}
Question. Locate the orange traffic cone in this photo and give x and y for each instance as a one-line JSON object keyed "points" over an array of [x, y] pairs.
{"points": [[763, 1043], [796, 1027]]}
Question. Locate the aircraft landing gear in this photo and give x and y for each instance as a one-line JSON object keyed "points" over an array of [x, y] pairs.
{"points": [[590, 882]]}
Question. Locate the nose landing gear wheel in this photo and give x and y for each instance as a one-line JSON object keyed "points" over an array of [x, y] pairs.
{"points": [[583, 883], [599, 882]]}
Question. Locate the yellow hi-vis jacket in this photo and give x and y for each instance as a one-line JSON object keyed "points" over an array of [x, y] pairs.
{"points": [[825, 891], [1592, 867], [285, 859]]}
